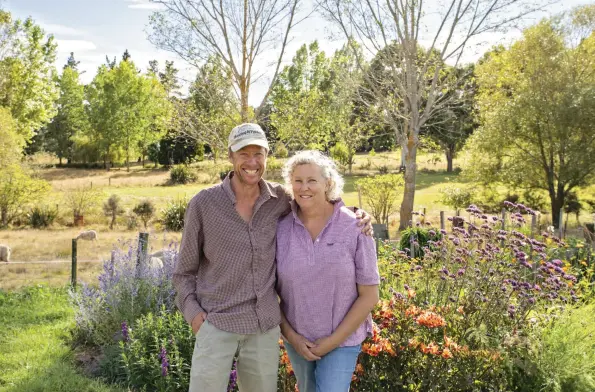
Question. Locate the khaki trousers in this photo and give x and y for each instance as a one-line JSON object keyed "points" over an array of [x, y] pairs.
{"points": [[214, 350]]}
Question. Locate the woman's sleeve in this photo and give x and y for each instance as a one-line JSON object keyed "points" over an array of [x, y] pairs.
{"points": [[366, 265]]}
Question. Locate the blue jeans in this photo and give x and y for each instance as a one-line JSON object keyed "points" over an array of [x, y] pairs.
{"points": [[331, 373]]}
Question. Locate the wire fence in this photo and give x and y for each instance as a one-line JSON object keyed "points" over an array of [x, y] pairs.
{"points": [[14, 275]]}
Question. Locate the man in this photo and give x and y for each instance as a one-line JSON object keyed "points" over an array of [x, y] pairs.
{"points": [[225, 275]]}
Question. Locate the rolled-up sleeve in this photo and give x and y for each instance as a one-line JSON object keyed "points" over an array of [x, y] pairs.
{"points": [[184, 277], [366, 266]]}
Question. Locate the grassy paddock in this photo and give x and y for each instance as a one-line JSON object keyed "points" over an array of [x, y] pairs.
{"points": [[35, 355], [148, 183]]}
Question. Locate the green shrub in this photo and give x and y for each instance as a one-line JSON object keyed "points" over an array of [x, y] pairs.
{"points": [[381, 194], [565, 352], [42, 217], [181, 174], [274, 167], [340, 153], [281, 151], [156, 352], [173, 215], [145, 211], [372, 153], [457, 197], [421, 237]]}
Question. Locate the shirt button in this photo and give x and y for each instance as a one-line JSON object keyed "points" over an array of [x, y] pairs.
{"points": [[317, 240]]}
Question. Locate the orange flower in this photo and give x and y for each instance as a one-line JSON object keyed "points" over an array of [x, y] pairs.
{"points": [[460, 310], [375, 333], [430, 320], [431, 348], [446, 354], [448, 342], [289, 369], [412, 311], [281, 344], [388, 347], [413, 343], [359, 369], [354, 378], [371, 349], [284, 358], [410, 293]]}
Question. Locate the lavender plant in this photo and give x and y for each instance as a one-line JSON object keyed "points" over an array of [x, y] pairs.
{"points": [[125, 292]]}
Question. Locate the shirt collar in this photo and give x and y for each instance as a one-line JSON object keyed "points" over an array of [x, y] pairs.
{"points": [[337, 204], [266, 191]]}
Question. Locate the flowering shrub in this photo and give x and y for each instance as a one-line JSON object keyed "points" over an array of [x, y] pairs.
{"points": [[453, 319], [125, 292], [156, 352]]}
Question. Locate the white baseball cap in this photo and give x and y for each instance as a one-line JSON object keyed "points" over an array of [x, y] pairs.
{"points": [[246, 134]]}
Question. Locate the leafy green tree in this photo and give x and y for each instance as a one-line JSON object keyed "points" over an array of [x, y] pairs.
{"points": [[453, 125], [27, 73], [211, 110], [18, 188], [128, 111], [71, 118], [537, 109], [301, 112], [11, 143]]}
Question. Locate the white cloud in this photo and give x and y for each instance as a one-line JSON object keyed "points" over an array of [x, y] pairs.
{"points": [[75, 45], [144, 5], [59, 30]]}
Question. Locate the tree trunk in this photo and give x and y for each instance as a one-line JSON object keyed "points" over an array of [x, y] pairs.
{"points": [[557, 202], [449, 157], [4, 217], [410, 171], [60, 164]]}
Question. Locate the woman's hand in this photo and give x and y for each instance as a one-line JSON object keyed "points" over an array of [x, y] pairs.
{"points": [[323, 346], [303, 346]]}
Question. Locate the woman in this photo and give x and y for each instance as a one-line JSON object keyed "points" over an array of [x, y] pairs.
{"points": [[327, 277]]}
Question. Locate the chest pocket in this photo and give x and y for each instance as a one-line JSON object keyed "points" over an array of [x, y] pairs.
{"points": [[336, 250]]}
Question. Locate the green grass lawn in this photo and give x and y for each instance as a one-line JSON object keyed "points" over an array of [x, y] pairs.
{"points": [[35, 355]]}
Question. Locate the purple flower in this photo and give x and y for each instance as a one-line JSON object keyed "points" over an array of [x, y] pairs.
{"points": [[233, 377], [164, 362], [125, 331]]}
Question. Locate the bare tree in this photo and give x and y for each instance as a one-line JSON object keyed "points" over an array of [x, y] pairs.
{"points": [[415, 39], [237, 31]]}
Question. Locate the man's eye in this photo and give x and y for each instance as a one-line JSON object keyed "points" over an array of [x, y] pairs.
{"points": [[312, 181]]}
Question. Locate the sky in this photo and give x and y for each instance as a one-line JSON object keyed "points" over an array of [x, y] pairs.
{"points": [[93, 29]]}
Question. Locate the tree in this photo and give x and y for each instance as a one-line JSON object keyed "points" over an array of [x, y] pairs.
{"points": [[112, 209], [18, 188], [145, 210], [27, 74], [71, 118], [237, 33], [381, 194], [11, 143], [301, 106], [451, 127], [211, 110], [127, 110], [537, 109], [394, 30]]}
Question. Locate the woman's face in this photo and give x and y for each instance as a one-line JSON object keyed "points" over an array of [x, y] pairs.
{"points": [[309, 186]]}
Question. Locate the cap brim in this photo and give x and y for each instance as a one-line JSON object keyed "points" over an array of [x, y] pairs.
{"points": [[249, 142]]}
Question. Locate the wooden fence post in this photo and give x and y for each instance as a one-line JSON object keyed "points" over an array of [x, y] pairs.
{"points": [[533, 225], [442, 223], [143, 245], [73, 266]]}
